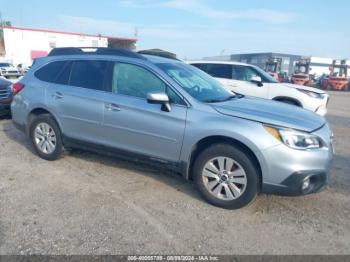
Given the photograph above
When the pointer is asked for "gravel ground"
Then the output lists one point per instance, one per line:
(85, 203)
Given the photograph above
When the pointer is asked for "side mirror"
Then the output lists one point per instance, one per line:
(159, 98)
(257, 80)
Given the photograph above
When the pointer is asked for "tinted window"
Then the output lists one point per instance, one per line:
(174, 98)
(88, 74)
(245, 73)
(135, 81)
(219, 70)
(64, 75)
(266, 78)
(201, 66)
(50, 72)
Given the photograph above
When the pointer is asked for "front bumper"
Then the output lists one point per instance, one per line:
(293, 184)
(287, 169)
(11, 74)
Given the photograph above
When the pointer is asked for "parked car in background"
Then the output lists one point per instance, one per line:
(23, 68)
(164, 111)
(7, 70)
(252, 81)
(5, 96)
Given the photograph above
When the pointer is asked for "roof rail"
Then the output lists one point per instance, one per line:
(60, 51)
(158, 52)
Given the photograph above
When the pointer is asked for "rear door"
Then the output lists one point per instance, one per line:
(76, 96)
(132, 124)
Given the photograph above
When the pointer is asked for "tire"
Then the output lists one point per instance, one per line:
(221, 194)
(45, 136)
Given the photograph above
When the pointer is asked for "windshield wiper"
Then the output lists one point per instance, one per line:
(220, 100)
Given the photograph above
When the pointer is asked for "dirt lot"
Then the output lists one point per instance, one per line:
(91, 204)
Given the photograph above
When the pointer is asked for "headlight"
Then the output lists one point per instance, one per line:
(295, 139)
(310, 93)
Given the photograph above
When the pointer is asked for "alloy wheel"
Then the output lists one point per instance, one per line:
(45, 138)
(224, 178)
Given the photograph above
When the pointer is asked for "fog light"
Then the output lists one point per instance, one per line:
(306, 184)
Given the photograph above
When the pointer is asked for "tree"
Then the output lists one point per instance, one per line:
(5, 23)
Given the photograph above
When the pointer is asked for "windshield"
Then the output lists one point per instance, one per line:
(4, 65)
(265, 77)
(196, 83)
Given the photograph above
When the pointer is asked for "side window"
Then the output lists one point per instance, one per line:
(202, 67)
(219, 70)
(50, 72)
(63, 77)
(243, 73)
(88, 74)
(135, 81)
(174, 98)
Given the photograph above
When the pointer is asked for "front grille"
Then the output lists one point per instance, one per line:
(5, 92)
(12, 72)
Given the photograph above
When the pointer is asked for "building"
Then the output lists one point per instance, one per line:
(21, 45)
(318, 65)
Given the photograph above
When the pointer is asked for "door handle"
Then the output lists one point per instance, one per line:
(57, 95)
(112, 107)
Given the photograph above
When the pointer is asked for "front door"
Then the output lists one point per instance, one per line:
(132, 124)
(241, 82)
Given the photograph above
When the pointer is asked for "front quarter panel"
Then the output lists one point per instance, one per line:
(202, 124)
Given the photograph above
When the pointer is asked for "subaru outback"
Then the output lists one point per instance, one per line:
(163, 111)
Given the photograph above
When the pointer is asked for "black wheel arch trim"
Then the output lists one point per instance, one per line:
(39, 111)
(210, 140)
(281, 98)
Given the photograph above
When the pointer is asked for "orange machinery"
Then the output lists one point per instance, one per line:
(301, 74)
(338, 78)
(273, 67)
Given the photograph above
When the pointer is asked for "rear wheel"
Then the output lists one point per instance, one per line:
(46, 137)
(226, 176)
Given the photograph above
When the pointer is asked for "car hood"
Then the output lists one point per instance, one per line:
(271, 112)
(308, 88)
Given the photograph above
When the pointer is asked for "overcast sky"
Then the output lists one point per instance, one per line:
(198, 28)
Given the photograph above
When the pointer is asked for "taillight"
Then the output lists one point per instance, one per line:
(17, 87)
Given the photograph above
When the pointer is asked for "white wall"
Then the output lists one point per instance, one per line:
(19, 43)
(319, 70)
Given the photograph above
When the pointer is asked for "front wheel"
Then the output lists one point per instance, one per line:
(226, 176)
(46, 137)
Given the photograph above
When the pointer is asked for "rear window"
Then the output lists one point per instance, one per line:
(216, 70)
(50, 72)
(88, 74)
